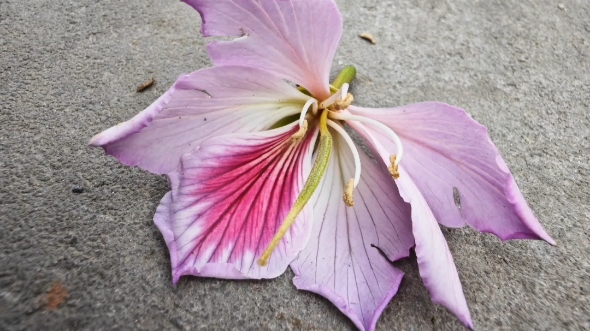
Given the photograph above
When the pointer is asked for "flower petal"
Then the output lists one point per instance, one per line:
(435, 262)
(228, 199)
(207, 103)
(458, 169)
(295, 40)
(341, 261)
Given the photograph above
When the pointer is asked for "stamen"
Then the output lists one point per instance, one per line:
(393, 169)
(394, 159)
(348, 193)
(340, 105)
(317, 172)
(355, 154)
(309, 103)
(344, 89)
(301, 133)
(340, 95)
(302, 121)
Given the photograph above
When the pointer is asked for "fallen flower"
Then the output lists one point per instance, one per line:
(264, 175)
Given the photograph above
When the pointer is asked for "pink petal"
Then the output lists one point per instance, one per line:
(295, 40)
(435, 262)
(341, 261)
(207, 103)
(228, 199)
(458, 170)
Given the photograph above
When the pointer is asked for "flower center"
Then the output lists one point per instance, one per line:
(331, 114)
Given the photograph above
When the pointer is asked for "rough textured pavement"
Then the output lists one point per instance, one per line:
(69, 69)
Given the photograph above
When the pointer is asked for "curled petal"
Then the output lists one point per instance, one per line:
(342, 261)
(457, 168)
(293, 39)
(229, 198)
(207, 103)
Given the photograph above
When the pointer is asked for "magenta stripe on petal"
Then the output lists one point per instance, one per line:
(230, 198)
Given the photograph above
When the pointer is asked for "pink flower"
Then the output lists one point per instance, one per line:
(264, 175)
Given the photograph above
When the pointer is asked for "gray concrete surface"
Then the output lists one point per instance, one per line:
(69, 69)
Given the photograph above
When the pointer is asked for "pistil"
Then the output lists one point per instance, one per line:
(340, 100)
(315, 176)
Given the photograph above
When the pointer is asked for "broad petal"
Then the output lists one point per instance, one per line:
(459, 171)
(207, 103)
(229, 198)
(341, 261)
(295, 40)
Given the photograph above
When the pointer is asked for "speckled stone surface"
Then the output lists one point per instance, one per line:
(69, 69)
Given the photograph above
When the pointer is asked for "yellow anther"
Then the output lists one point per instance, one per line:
(393, 170)
(301, 133)
(348, 200)
(343, 104)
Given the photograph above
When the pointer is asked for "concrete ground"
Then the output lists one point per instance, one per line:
(95, 261)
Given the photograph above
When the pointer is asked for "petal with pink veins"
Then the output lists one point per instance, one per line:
(341, 261)
(293, 39)
(207, 103)
(229, 198)
(457, 168)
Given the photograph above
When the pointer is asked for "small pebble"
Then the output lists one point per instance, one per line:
(561, 6)
(78, 189)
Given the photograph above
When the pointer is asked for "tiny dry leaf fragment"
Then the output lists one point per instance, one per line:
(56, 295)
(146, 85)
(369, 37)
